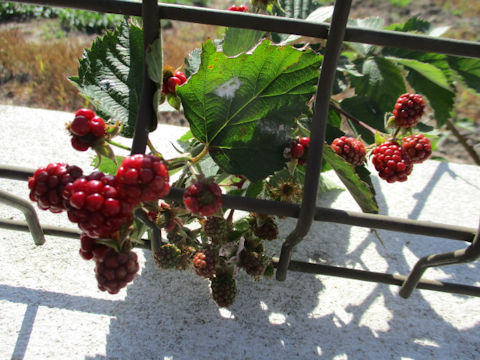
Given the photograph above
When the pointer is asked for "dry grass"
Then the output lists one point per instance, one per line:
(34, 71)
(35, 74)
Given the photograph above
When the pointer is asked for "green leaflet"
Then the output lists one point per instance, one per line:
(244, 108)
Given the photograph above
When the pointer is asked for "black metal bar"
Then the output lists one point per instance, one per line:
(317, 134)
(145, 116)
(276, 24)
(50, 230)
(353, 218)
(469, 254)
(370, 276)
(28, 211)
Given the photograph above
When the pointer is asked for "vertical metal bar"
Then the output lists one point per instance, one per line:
(454, 257)
(151, 29)
(29, 212)
(317, 135)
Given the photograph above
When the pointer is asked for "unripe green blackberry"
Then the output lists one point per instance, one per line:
(253, 263)
(264, 227)
(216, 228)
(167, 256)
(224, 289)
(186, 258)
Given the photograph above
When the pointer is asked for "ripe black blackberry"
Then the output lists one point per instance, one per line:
(167, 256)
(115, 270)
(48, 183)
(224, 289)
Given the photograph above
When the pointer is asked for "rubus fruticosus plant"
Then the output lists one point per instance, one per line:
(248, 102)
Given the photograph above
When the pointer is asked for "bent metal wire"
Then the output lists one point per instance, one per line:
(336, 33)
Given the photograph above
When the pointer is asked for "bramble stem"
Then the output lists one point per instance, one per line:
(199, 156)
(471, 151)
(121, 146)
(153, 150)
(352, 118)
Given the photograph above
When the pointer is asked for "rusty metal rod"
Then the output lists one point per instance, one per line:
(145, 115)
(28, 211)
(469, 254)
(317, 134)
(275, 24)
(370, 276)
(297, 266)
(278, 208)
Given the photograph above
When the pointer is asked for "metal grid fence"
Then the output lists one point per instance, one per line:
(336, 33)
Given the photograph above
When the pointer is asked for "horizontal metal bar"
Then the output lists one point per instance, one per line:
(276, 24)
(51, 230)
(321, 214)
(370, 276)
(298, 266)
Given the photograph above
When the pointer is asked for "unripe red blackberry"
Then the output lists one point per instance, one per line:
(418, 147)
(95, 204)
(264, 227)
(392, 162)
(216, 228)
(204, 262)
(239, 8)
(172, 80)
(48, 183)
(204, 198)
(350, 148)
(86, 129)
(115, 270)
(167, 256)
(297, 149)
(253, 263)
(224, 289)
(142, 178)
(408, 110)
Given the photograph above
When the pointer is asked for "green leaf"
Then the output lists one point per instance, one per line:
(419, 25)
(363, 192)
(154, 61)
(468, 69)
(298, 9)
(430, 72)
(238, 40)
(107, 165)
(382, 82)
(440, 99)
(372, 23)
(254, 189)
(366, 110)
(244, 108)
(111, 75)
